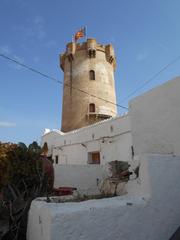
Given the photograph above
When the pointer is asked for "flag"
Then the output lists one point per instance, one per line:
(81, 33)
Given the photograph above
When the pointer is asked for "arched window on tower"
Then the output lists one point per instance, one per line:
(92, 75)
(92, 107)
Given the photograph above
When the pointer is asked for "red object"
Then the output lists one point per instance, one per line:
(63, 191)
(81, 33)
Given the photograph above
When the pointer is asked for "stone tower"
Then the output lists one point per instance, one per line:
(88, 67)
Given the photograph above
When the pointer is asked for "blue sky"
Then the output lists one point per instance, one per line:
(145, 35)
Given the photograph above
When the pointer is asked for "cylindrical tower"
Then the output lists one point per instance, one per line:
(88, 68)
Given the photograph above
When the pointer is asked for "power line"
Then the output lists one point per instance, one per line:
(151, 78)
(56, 80)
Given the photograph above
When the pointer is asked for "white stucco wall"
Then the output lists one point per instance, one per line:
(112, 138)
(149, 211)
(83, 177)
(155, 120)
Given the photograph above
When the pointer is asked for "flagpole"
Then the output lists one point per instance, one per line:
(86, 32)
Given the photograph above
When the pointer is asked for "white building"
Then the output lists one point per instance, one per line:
(149, 135)
(151, 126)
(95, 144)
(150, 208)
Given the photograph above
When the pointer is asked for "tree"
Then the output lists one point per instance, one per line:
(24, 175)
(5, 148)
(20, 163)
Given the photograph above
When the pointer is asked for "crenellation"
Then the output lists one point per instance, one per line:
(91, 46)
(110, 55)
(62, 61)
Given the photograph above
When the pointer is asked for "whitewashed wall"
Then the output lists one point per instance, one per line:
(83, 177)
(155, 120)
(112, 138)
(150, 210)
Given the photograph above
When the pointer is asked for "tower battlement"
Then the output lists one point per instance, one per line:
(89, 89)
(90, 46)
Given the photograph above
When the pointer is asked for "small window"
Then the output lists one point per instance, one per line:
(94, 158)
(92, 75)
(92, 107)
(92, 53)
(56, 159)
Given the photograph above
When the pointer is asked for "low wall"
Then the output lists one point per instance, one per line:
(152, 212)
(84, 177)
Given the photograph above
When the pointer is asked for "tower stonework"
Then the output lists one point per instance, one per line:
(88, 68)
